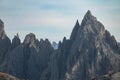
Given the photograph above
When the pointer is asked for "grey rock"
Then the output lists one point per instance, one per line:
(55, 45)
(30, 58)
(29, 39)
(4, 43)
(90, 51)
(75, 31)
(15, 42)
(2, 32)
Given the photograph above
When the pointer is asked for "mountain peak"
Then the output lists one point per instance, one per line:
(88, 18)
(75, 30)
(15, 41)
(17, 35)
(88, 14)
(77, 22)
(1, 26)
(29, 38)
(2, 32)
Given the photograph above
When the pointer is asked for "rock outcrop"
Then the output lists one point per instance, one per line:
(15, 42)
(4, 43)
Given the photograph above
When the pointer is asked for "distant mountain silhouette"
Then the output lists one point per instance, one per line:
(91, 51)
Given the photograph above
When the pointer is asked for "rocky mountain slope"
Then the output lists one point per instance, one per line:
(91, 51)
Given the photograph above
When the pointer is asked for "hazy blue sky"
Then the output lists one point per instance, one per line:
(55, 19)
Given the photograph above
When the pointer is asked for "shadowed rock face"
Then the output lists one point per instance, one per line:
(30, 58)
(2, 32)
(4, 43)
(75, 31)
(15, 42)
(91, 51)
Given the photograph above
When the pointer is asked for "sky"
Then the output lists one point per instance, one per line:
(54, 19)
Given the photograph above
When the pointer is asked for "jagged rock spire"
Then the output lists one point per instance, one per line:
(88, 18)
(75, 30)
(4, 42)
(30, 38)
(90, 24)
(1, 26)
(15, 41)
(77, 22)
(2, 32)
(88, 14)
